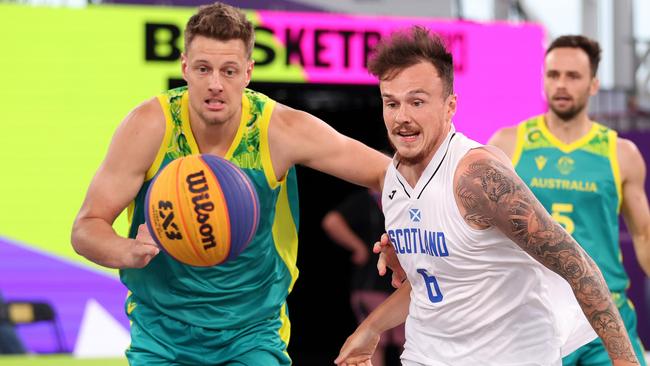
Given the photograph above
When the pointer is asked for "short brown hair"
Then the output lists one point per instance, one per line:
(407, 47)
(591, 48)
(222, 22)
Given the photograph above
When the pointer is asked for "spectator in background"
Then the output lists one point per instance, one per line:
(355, 224)
(584, 175)
(9, 341)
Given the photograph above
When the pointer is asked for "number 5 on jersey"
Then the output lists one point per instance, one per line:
(559, 211)
(434, 293)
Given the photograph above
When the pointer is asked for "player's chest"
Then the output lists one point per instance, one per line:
(579, 174)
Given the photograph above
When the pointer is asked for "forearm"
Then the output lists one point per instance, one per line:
(96, 240)
(596, 302)
(336, 227)
(491, 194)
(642, 249)
(392, 312)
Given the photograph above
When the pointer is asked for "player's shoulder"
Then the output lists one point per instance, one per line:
(471, 157)
(148, 113)
(626, 146)
(629, 156)
(507, 131)
(505, 139)
(509, 134)
(504, 135)
(487, 159)
(485, 153)
(287, 117)
(146, 121)
(288, 124)
(139, 136)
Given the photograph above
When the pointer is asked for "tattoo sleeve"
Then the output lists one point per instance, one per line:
(491, 194)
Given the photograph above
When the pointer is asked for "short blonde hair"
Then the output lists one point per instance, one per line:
(222, 22)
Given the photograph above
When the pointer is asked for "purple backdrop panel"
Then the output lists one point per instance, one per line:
(28, 274)
(639, 291)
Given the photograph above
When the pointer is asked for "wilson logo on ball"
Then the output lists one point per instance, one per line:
(202, 210)
(197, 184)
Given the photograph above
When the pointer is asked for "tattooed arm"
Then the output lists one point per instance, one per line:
(489, 193)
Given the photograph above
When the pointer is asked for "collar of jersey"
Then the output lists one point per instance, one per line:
(189, 134)
(433, 164)
(565, 148)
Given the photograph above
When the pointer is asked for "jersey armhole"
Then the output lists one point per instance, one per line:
(612, 137)
(519, 144)
(160, 155)
(265, 150)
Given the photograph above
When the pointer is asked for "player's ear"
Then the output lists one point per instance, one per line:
(249, 71)
(450, 105)
(594, 86)
(184, 65)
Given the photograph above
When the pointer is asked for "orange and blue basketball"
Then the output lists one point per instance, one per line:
(202, 210)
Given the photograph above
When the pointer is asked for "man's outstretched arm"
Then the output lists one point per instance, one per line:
(489, 193)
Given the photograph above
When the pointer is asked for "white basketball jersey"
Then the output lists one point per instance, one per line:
(477, 297)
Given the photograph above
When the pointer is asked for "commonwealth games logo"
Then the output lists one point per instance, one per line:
(565, 165)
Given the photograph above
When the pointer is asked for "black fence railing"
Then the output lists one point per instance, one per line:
(619, 109)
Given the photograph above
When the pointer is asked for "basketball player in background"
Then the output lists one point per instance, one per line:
(583, 174)
(235, 313)
(478, 249)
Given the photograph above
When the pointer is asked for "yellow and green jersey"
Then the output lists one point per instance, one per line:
(579, 184)
(254, 286)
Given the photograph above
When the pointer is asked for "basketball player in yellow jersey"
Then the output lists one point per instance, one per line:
(235, 313)
(584, 175)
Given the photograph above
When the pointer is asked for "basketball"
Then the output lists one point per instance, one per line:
(202, 210)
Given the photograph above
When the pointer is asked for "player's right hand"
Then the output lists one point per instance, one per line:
(142, 251)
(388, 258)
(358, 348)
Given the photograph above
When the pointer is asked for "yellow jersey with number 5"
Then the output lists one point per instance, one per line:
(579, 185)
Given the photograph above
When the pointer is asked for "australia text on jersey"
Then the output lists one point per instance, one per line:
(563, 184)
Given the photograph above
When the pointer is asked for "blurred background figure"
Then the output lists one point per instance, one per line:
(9, 341)
(355, 224)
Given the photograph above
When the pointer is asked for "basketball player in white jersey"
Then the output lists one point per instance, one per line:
(492, 279)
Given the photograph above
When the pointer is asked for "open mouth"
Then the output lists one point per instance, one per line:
(214, 104)
(407, 135)
(562, 98)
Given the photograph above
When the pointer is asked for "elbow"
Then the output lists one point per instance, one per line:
(328, 222)
(643, 257)
(76, 238)
(642, 251)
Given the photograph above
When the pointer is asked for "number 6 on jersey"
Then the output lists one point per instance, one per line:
(431, 281)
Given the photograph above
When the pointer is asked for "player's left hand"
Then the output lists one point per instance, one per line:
(358, 348)
(388, 259)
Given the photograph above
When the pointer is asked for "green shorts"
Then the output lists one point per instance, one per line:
(157, 339)
(594, 353)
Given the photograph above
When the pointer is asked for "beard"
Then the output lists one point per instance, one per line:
(570, 113)
(411, 160)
